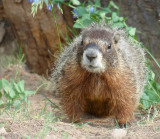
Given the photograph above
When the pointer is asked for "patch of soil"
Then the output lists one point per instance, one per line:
(40, 124)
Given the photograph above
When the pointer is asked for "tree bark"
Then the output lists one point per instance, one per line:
(145, 16)
(37, 35)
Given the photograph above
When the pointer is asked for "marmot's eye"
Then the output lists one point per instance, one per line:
(109, 46)
(82, 42)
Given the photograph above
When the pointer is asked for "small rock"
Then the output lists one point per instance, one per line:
(119, 133)
(2, 131)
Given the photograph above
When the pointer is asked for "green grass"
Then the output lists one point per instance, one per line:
(15, 104)
(65, 135)
(148, 115)
(47, 127)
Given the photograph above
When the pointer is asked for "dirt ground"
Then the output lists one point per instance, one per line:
(43, 119)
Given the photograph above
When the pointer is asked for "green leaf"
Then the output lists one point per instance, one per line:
(6, 94)
(78, 24)
(6, 84)
(81, 11)
(26, 99)
(17, 89)
(108, 18)
(132, 31)
(83, 22)
(145, 101)
(107, 10)
(21, 85)
(153, 96)
(112, 4)
(95, 17)
(97, 3)
(76, 2)
(118, 25)
(22, 96)
(12, 93)
(87, 22)
(151, 75)
(121, 19)
(115, 17)
(101, 13)
(85, 16)
(150, 97)
(7, 87)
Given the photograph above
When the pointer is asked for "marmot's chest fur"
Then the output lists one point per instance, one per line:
(99, 93)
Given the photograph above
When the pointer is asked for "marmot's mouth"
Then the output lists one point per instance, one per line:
(92, 67)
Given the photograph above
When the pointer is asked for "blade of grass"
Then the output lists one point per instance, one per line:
(52, 102)
(54, 17)
(153, 57)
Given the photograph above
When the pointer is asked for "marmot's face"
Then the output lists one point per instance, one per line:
(99, 52)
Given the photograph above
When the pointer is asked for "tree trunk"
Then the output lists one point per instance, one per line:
(2, 14)
(37, 35)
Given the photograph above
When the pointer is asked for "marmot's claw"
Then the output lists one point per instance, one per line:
(122, 125)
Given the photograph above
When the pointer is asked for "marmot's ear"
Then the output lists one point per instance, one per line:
(116, 38)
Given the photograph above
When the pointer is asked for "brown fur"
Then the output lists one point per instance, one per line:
(112, 90)
(110, 93)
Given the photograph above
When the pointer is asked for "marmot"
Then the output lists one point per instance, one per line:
(102, 72)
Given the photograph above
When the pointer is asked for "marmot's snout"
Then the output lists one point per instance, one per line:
(92, 58)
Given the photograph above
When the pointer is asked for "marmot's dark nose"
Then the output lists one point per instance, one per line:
(91, 56)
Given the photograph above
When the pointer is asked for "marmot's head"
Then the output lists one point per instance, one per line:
(99, 50)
